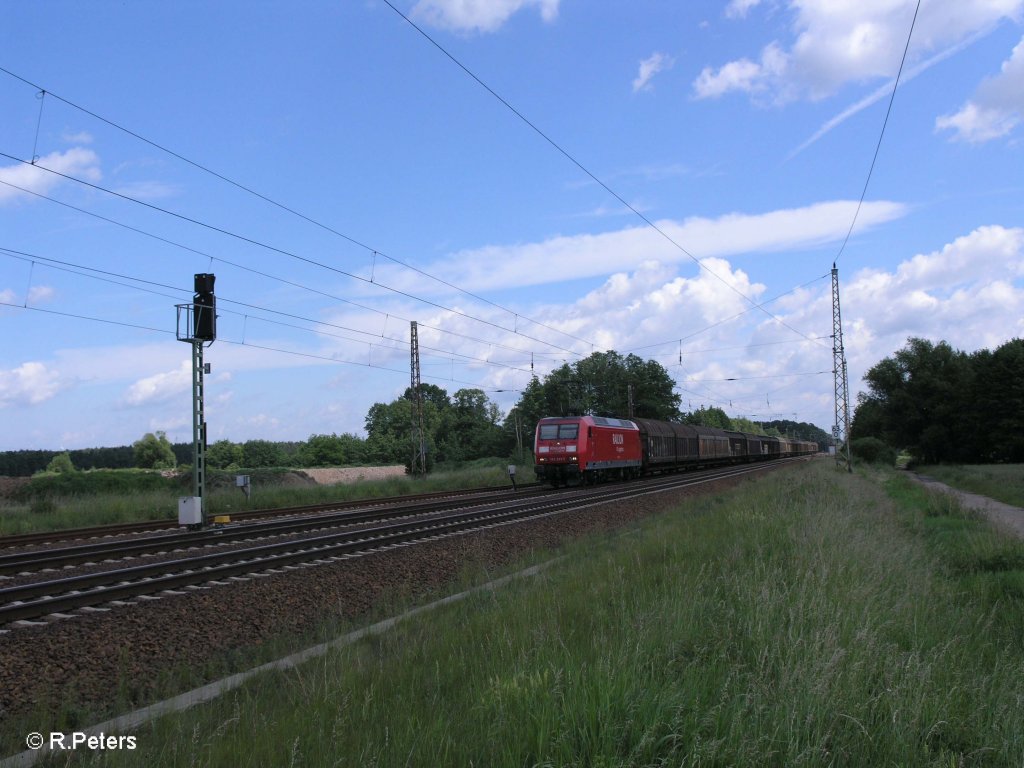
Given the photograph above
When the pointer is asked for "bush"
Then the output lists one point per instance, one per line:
(61, 463)
(873, 451)
(91, 483)
(153, 451)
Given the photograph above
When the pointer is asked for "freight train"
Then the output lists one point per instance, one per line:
(570, 450)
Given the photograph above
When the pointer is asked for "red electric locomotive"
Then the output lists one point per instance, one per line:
(572, 449)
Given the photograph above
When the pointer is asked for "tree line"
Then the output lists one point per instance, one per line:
(459, 427)
(945, 405)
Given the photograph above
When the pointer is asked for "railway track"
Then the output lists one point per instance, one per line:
(54, 599)
(62, 557)
(150, 526)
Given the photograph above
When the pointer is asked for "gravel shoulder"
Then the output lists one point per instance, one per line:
(1006, 517)
(87, 657)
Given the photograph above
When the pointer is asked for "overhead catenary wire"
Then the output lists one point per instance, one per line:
(384, 255)
(283, 252)
(375, 252)
(73, 269)
(292, 283)
(283, 281)
(288, 209)
(736, 316)
(881, 134)
(325, 358)
(572, 159)
(752, 378)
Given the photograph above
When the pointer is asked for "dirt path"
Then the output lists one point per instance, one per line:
(1010, 519)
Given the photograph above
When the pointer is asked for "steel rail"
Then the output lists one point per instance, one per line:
(40, 599)
(147, 526)
(22, 562)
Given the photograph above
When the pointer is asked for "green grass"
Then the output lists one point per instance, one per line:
(986, 564)
(808, 618)
(123, 496)
(1004, 482)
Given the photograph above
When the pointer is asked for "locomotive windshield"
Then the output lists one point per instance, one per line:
(559, 431)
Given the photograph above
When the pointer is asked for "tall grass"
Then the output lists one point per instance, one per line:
(807, 618)
(87, 505)
(1004, 482)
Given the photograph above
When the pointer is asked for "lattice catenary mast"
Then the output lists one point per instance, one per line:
(841, 425)
(418, 465)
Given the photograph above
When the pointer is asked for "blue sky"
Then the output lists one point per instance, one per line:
(739, 134)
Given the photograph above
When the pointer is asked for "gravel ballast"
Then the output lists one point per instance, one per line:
(130, 649)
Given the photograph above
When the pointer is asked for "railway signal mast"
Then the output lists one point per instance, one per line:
(197, 325)
(841, 425)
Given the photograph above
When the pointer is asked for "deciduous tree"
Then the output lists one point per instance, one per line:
(153, 451)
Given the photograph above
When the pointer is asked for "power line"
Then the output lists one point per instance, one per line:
(878, 146)
(736, 316)
(281, 251)
(55, 264)
(84, 317)
(752, 378)
(565, 153)
(281, 280)
(310, 355)
(279, 205)
(750, 346)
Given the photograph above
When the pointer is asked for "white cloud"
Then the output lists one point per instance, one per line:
(477, 15)
(835, 42)
(75, 162)
(37, 294)
(968, 292)
(40, 293)
(885, 90)
(161, 386)
(82, 137)
(742, 75)
(173, 425)
(939, 294)
(29, 384)
(262, 421)
(997, 106)
(649, 67)
(738, 9)
(566, 258)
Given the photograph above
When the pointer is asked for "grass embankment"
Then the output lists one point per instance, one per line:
(807, 618)
(1004, 482)
(104, 497)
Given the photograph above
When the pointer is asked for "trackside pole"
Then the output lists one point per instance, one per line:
(841, 425)
(200, 329)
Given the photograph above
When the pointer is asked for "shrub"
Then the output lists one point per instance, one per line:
(61, 463)
(153, 451)
(91, 483)
(873, 451)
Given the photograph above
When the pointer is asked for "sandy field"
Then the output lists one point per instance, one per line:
(334, 476)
